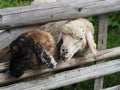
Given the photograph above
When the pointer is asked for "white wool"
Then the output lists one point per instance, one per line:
(76, 27)
(54, 28)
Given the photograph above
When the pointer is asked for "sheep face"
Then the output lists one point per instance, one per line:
(71, 45)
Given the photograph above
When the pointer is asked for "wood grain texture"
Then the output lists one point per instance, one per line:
(68, 77)
(102, 42)
(4, 77)
(36, 14)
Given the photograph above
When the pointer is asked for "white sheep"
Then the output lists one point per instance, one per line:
(72, 37)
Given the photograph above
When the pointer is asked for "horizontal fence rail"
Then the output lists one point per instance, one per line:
(69, 77)
(35, 14)
(113, 88)
(62, 65)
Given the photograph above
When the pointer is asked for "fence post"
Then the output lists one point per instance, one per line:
(101, 44)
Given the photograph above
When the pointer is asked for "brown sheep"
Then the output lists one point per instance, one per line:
(29, 49)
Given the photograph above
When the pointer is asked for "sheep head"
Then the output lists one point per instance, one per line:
(28, 50)
(70, 45)
(21, 55)
(74, 37)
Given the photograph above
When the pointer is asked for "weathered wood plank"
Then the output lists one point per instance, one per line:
(68, 77)
(63, 65)
(113, 88)
(29, 15)
(102, 41)
(102, 32)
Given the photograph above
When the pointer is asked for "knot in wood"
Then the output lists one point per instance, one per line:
(79, 9)
(1, 16)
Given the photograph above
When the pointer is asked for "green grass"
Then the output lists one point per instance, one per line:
(113, 41)
(13, 3)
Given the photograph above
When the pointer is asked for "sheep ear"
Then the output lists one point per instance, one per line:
(45, 57)
(59, 43)
(59, 37)
(91, 42)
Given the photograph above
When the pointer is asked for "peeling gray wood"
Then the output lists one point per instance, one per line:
(35, 14)
(102, 41)
(113, 88)
(68, 77)
(62, 65)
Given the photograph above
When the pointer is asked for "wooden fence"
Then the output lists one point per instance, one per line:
(20, 19)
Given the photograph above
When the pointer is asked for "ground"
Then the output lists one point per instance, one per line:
(113, 40)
